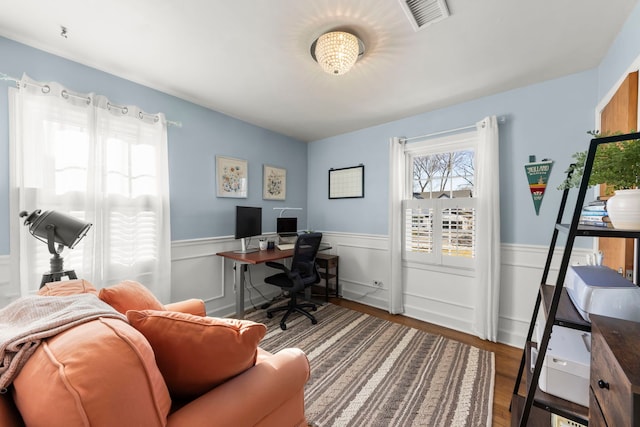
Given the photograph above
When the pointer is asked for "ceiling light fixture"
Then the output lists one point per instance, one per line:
(337, 51)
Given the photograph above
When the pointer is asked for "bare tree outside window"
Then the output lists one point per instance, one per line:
(437, 174)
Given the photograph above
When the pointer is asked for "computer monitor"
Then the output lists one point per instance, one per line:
(287, 226)
(248, 224)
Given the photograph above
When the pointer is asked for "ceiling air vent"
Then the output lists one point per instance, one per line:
(423, 13)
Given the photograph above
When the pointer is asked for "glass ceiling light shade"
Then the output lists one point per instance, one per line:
(337, 51)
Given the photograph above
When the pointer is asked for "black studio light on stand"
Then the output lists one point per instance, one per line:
(55, 228)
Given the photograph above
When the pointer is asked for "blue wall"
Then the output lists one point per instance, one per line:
(196, 212)
(549, 120)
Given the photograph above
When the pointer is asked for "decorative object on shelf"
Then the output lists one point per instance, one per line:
(346, 183)
(274, 183)
(231, 177)
(538, 177)
(55, 228)
(337, 51)
(616, 164)
(624, 209)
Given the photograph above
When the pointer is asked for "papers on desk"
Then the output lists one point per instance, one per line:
(286, 246)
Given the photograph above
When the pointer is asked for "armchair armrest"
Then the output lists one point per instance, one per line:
(191, 306)
(249, 398)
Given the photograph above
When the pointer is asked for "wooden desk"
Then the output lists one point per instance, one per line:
(242, 261)
(258, 257)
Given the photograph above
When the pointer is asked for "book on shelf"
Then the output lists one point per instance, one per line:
(595, 221)
(594, 213)
(595, 205)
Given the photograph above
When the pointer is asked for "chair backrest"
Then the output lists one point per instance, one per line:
(304, 257)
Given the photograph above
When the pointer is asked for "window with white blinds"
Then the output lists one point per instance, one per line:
(440, 212)
(440, 231)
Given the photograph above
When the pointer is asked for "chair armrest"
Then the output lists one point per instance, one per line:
(191, 306)
(252, 395)
(277, 265)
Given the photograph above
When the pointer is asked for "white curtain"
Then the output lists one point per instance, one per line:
(488, 229)
(397, 192)
(100, 162)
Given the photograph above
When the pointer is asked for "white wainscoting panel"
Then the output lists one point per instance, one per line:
(363, 260)
(197, 272)
(438, 297)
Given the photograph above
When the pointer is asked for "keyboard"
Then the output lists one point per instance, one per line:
(286, 246)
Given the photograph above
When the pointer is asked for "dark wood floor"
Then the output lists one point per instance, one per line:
(507, 358)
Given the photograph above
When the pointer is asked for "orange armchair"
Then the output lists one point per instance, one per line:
(105, 373)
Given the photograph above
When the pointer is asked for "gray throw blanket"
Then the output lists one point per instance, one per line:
(28, 320)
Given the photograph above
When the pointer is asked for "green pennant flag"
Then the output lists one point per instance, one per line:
(538, 176)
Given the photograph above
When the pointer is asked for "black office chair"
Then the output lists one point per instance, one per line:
(303, 273)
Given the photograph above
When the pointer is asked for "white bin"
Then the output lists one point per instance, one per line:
(565, 370)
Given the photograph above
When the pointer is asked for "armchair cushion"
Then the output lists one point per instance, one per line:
(67, 287)
(130, 295)
(101, 373)
(197, 353)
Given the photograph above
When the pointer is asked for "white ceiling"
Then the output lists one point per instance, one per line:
(250, 59)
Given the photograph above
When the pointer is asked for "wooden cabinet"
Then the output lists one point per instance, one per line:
(615, 373)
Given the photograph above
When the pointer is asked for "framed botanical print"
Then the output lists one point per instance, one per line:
(274, 183)
(231, 177)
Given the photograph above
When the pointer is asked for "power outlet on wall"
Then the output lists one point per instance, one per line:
(377, 283)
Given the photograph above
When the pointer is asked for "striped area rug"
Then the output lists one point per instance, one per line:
(366, 371)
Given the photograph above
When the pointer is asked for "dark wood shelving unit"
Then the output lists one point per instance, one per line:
(567, 315)
(534, 407)
(587, 231)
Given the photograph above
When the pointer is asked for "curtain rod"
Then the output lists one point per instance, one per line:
(66, 94)
(501, 119)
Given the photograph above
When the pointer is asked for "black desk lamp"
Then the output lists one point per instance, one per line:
(58, 228)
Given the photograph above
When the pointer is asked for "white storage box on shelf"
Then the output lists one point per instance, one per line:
(596, 289)
(565, 370)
